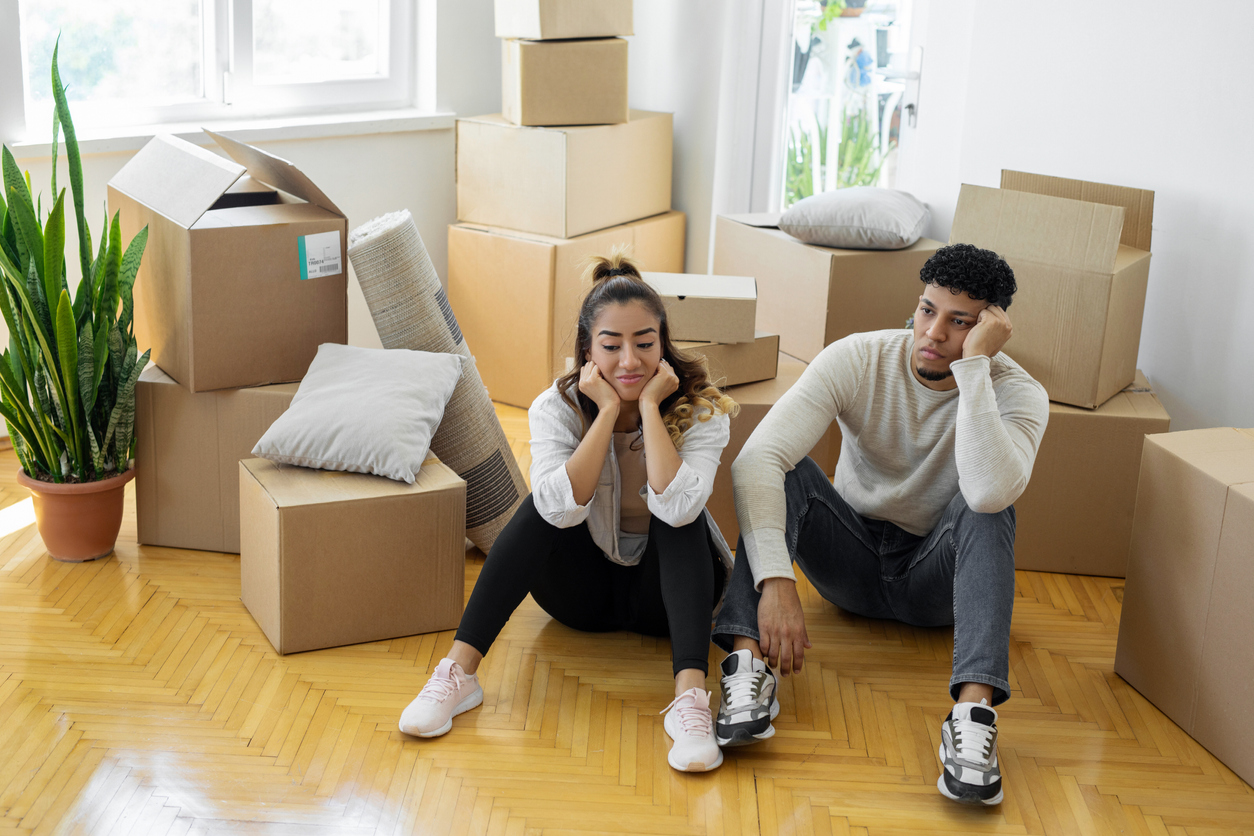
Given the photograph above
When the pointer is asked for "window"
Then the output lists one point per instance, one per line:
(844, 104)
(131, 62)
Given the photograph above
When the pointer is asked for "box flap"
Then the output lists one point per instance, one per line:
(1056, 231)
(765, 220)
(706, 287)
(176, 178)
(1138, 204)
(1225, 454)
(275, 171)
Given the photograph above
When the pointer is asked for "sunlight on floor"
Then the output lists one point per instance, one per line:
(16, 517)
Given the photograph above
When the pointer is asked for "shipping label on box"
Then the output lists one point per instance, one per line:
(1186, 640)
(733, 364)
(1075, 516)
(187, 451)
(1081, 280)
(565, 181)
(579, 82)
(517, 295)
(244, 275)
(812, 296)
(718, 309)
(329, 558)
(552, 19)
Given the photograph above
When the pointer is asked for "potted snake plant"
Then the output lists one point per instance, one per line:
(67, 379)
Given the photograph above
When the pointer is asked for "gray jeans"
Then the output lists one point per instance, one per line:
(961, 573)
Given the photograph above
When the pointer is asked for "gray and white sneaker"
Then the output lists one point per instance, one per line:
(968, 753)
(748, 704)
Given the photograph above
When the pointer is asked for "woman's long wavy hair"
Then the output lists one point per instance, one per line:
(616, 280)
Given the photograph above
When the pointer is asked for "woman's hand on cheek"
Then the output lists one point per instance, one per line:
(592, 384)
(660, 386)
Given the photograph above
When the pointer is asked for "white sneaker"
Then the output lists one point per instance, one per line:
(748, 703)
(968, 754)
(448, 692)
(691, 725)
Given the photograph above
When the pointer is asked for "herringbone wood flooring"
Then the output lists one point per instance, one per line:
(138, 696)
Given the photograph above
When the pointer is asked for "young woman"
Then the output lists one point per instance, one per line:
(614, 535)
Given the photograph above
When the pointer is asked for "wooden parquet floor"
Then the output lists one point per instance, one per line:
(137, 696)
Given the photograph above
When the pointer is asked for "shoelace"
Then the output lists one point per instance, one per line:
(438, 689)
(972, 741)
(741, 689)
(694, 720)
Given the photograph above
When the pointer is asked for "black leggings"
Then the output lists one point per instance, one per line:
(670, 592)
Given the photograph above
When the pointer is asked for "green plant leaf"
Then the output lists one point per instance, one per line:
(128, 366)
(30, 241)
(126, 278)
(100, 349)
(126, 421)
(54, 251)
(86, 371)
(67, 354)
(14, 361)
(56, 145)
(75, 162)
(38, 307)
(107, 295)
(117, 355)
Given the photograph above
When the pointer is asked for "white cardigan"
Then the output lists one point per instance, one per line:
(557, 429)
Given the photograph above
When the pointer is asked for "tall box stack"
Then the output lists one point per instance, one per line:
(564, 172)
(243, 277)
(1081, 256)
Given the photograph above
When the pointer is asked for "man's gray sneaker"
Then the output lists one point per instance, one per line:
(968, 754)
(748, 704)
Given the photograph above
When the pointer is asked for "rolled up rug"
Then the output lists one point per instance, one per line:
(411, 311)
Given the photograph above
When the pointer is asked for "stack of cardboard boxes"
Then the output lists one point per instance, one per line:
(1081, 254)
(244, 276)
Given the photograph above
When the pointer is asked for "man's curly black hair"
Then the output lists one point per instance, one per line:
(963, 268)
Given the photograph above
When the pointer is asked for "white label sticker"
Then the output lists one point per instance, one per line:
(320, 255)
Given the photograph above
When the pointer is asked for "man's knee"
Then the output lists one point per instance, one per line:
(966, 519)
(802, 481)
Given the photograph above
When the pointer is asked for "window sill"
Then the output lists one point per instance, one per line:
(134, 137)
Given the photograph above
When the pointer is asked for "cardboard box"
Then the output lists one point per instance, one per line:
(1080, 252)
(238, 287)
(733, 364)
(517, 295)
(718, 309)
(550, 19)
(581, 82)
(329, 558)
(1076, 514)
(187, 452)
(566, 181)
(1186, 639)
(812, 296)
(756, 399)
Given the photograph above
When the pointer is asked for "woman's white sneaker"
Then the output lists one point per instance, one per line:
(690, 725)
(448, 692)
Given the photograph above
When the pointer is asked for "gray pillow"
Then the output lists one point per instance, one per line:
(857, 218)
(365, 410)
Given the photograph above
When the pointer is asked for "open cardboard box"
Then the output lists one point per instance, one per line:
(563, 181)
(812, 296)
(575, 82)
(517, 295)
(552, 19)
(1076, 514)
(246, 269)
(1080, 252)
(734, 364)
(719, 309)
(1186, 639)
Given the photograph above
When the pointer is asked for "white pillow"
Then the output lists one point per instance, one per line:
(367, 410)
(858, 218)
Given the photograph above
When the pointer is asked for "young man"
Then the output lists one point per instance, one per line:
(940, 431)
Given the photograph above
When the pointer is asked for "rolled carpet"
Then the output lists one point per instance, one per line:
(411, 311)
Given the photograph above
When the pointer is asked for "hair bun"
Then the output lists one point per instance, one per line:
(602, 268)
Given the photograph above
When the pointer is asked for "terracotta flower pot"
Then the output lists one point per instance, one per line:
(78, 521)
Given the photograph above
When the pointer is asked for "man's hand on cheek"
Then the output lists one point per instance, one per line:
(992, 330)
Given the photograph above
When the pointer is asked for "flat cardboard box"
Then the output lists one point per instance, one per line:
(550, 19)
(1080, 252)
(563, 181)
(812, 296)
(238, 286)
(517, 295)
(1186, 640)
(581, 82)
(187, 451)
(734, 364)
(756, 399)
(329, 558)
(718, 309)
(1076, 514)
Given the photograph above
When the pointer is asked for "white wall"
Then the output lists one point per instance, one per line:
(1131, 92)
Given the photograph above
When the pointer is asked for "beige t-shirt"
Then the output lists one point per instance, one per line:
(634, 515)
